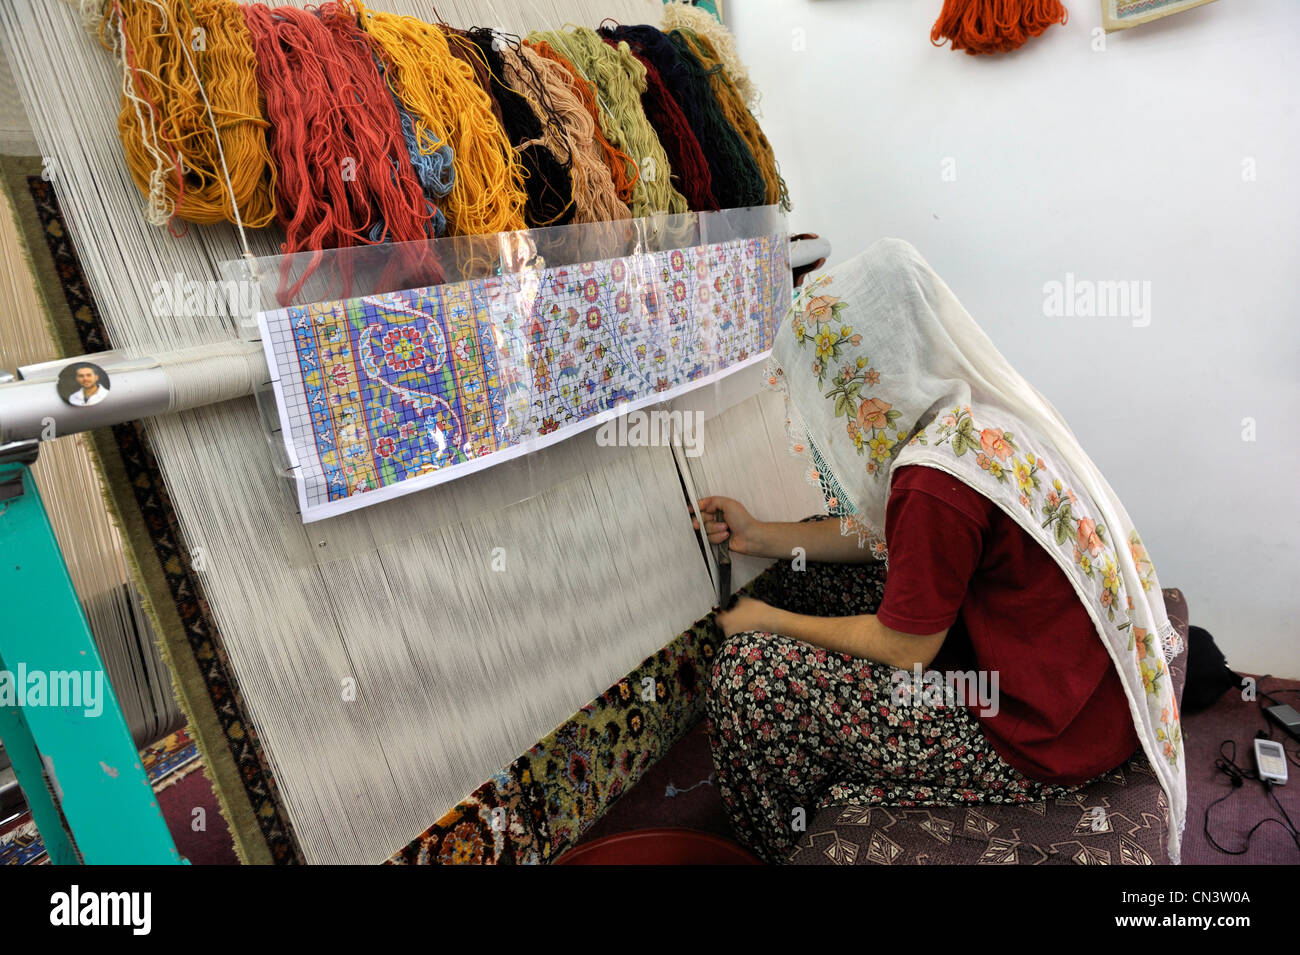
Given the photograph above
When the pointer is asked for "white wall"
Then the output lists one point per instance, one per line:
(1122, 164)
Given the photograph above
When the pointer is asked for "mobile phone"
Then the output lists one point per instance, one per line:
(1270, 761)
(1286, 717)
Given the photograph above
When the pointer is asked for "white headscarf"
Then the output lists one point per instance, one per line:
(881, 366)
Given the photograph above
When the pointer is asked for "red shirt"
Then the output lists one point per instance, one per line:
(957, 560)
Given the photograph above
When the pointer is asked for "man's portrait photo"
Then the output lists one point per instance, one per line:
(82, 384)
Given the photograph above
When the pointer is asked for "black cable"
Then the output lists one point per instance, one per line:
(1227, 764)
(1295, 835)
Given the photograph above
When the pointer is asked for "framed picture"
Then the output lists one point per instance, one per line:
(1122, 14)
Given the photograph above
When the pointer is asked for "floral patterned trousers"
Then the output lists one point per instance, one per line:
(795, 728)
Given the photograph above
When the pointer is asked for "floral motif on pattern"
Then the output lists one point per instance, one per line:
(403, 348)
(1146, 570)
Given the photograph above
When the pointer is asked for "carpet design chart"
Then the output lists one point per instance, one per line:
(386, 394)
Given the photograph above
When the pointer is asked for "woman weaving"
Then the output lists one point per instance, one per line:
(974, 535)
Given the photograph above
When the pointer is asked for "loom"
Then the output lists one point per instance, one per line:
(380, 664)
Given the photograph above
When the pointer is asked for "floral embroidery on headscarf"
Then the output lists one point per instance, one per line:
(871, 422)
(1170, 732)
(997, 453)
(1146, 571)
(819, 325)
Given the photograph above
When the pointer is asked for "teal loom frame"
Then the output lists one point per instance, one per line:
(81, 773)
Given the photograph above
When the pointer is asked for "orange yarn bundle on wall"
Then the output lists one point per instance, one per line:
(994, 26)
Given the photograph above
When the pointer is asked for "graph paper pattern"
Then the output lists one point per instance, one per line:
(395, 392)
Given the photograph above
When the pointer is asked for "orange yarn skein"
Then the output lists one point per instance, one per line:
(994, 26)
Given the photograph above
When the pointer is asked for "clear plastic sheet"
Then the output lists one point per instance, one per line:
(401, 367)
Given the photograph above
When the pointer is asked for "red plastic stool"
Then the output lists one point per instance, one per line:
(659, 847)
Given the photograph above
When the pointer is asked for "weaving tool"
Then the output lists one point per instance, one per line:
(457, 666)
(724, 567)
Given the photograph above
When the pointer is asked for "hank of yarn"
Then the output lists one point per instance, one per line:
(568, 131)
(621, 167)
(994, 26)
(196, 152)
(550, 192)
(435, 170)
(691, 173)
(619, 80)
(736, 178)
(345, 176)
(734, 109)
(680, 14)
(449, 107)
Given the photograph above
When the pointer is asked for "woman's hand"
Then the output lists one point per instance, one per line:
(738, 527)
(748, 614)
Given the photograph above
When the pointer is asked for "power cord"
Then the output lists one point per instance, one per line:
(1227, 764)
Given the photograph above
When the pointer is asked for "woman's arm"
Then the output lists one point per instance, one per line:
(862, 636)
(819, 540)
